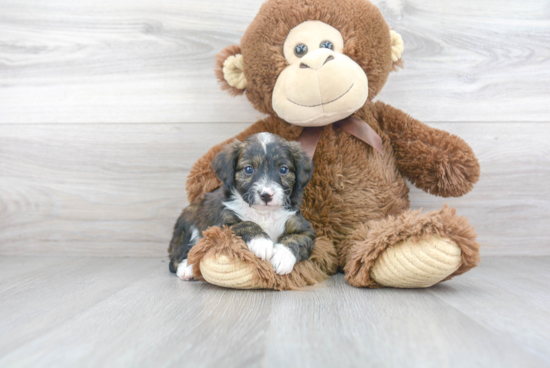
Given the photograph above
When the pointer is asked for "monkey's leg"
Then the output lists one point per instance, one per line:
(411, 250)
(223, 259)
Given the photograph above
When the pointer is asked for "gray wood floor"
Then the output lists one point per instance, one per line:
(89, 312)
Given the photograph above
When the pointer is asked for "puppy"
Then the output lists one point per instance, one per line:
(263, 181)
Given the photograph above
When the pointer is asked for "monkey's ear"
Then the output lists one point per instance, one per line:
(397, 47)
(229, 70)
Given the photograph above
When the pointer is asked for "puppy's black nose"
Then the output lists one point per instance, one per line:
(266, 197)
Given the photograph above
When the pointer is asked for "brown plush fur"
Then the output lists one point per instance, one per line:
(435, 161)
(366, 38)
(217, 241)
(366, 243)
(220, 59)
(357, 199)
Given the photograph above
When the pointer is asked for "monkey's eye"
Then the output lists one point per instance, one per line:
(300, 50)
(283, 170)
(327, 45)
(249, 170)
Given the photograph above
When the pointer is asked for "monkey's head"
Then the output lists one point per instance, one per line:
(311, 62)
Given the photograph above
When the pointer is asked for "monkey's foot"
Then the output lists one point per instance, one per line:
(222, 258)
(417, 264)
(412, 250)
(222, 271)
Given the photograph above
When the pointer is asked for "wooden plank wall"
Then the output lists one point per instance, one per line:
(105, 105)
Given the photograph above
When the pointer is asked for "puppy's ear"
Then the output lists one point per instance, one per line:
(303, 165)
(225, 162)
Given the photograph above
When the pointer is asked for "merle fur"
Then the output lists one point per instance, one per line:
(209, 210)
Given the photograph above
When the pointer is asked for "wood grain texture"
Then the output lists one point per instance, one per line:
(13, 267)
(120, 186)
(44, 297)
(117, 189)
(520, 280)
(485, 318)
(151, 61)
(158, 321)
(385, 327)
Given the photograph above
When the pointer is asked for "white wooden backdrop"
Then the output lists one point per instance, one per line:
(105, 105)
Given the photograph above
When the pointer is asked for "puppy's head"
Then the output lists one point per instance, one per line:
(265, 170)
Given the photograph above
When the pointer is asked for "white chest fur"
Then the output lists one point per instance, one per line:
(272, 221)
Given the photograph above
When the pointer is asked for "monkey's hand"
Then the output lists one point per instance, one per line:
(433, 160)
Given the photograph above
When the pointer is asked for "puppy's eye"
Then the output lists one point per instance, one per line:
(249, 170)
(283, 170)
(300, 50)
(327, 45)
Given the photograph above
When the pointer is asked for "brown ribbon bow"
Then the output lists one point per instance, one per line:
(358, 128)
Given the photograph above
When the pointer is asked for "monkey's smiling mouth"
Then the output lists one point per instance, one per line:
(326, 103)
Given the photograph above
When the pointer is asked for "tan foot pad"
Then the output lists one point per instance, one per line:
(418, 264)
(222, 271)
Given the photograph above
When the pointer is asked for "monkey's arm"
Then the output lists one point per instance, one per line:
(203, 179)
(298, 237)
(433, 160)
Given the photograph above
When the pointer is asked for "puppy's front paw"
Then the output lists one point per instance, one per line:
(283, 260)
(261, 247)
(185, 272)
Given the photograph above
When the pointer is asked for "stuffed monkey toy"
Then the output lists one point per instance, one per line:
(314, 67)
